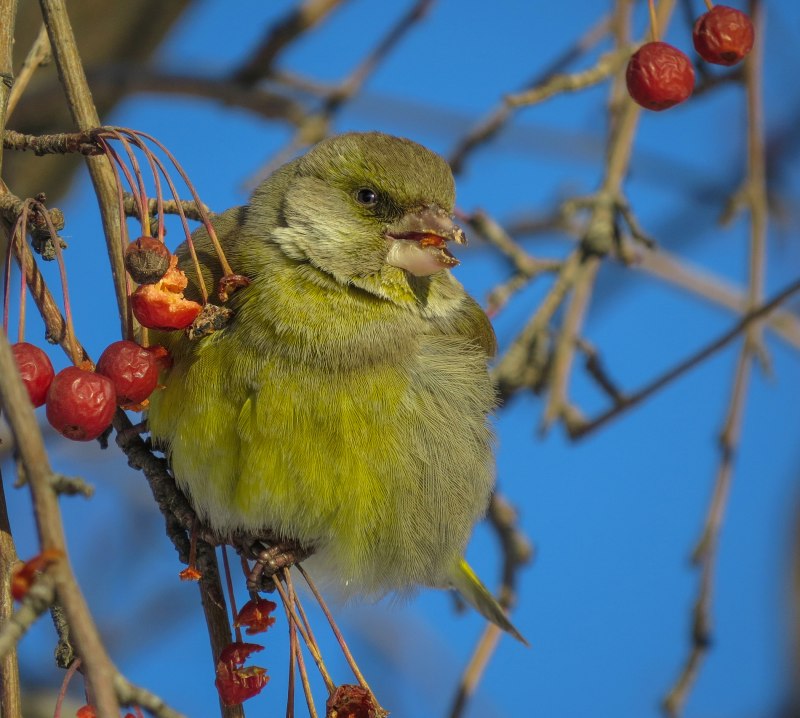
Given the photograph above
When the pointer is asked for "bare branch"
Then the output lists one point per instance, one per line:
(38, 55)
(280, 35)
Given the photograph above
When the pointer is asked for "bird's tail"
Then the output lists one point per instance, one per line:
(466, 582)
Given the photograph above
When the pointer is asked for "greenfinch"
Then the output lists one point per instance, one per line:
(344, 407)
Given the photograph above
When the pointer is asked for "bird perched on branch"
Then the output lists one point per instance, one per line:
(344, 408)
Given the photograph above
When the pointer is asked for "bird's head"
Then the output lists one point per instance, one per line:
(358, 202)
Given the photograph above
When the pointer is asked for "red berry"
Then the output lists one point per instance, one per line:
(133, 370)
(36, 370)
(162, 305)
(81, 404)
(723, 35)
(659, 76)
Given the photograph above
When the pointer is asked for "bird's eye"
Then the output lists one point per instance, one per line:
(366, 196)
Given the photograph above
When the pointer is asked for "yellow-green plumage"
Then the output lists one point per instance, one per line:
(345, 405)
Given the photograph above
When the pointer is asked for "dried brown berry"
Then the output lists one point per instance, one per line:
(147, 260)
(349, 701)
(723, 35)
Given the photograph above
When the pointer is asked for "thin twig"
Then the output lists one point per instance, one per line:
(63, 143)
(188, 206)
(493, 123)
(312, 647)
(687, 364)
(516, 552)
(132, 695)
(314, 126)
(38, 55)
(336, 632)
(607, 65)
(706, 550)
(297, 653)
(8, 11)
(282, 33)
(557, 406)
(475, 668)
(37, 601)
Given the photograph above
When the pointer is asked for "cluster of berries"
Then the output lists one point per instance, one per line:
(80, 403)
(660, 76)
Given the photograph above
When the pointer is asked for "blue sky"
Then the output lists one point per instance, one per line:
(613, 517)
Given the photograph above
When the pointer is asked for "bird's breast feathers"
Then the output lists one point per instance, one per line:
(338, 419)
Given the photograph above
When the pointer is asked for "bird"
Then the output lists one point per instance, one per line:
(345, 407)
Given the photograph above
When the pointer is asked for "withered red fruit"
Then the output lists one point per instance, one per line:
(255, 616)
(234, 683)
(132, 368)
(236, 653)
(147, 260)
(349, 701)
(659, 76)
(723, 35)
(81, 404)
(162, 305)
(35, 369)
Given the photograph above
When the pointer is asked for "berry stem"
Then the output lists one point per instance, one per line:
(653, 20)
(21, 230)
(212, 235)
(7, 280)
(336, 632)
(709, 4)
(144, 216)
(187, 232)
(72, 342)
(62, 693)
(231, 596)
(295, 653)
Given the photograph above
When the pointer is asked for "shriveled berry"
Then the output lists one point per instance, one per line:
(236, 683)
(350, 701)
(162, 305)
(36, 370)
(723, 35)
(132, 368)
(147, 260)
(659, 76)
(81, 404)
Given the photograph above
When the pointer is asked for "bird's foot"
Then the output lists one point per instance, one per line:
(270, 558)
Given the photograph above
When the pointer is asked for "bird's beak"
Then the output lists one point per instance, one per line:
(418, 241)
